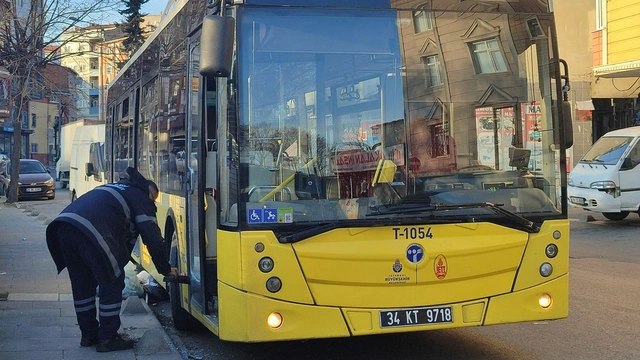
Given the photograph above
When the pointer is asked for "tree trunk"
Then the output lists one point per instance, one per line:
(16, 154)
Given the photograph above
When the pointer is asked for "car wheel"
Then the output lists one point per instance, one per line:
(616, 216)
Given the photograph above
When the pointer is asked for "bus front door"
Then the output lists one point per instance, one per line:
(194, 179)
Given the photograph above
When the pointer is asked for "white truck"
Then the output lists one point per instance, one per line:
(67, 132)
(86, 169)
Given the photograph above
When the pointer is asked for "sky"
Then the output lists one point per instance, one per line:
(154, 7)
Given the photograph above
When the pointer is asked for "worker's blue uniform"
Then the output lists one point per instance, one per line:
(94, 236)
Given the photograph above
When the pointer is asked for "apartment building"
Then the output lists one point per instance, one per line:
(96, 54)
(85, 53)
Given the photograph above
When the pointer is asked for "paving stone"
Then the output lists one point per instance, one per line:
(32, 297)
(31, 355)
(53, 321)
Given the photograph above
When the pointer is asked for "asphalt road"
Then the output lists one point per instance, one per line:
(603, 323)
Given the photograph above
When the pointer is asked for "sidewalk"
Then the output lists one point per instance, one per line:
(37, 319)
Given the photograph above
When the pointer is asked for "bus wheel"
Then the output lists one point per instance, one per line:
(616, 216)
(182, 320)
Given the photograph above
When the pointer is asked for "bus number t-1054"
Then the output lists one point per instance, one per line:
(412, 233)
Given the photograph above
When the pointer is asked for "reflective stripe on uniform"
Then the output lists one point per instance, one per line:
(121, 200)
(85, 304)
(143, 218)
(110, 309)
(96, 234)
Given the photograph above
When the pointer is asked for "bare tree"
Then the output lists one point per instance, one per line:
(26, 28)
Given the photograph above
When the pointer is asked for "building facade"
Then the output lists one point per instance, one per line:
(96, 54)
(42, 116)
(616, 64)
(82, 52)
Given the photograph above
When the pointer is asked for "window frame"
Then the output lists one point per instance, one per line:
(601, 14)
(424, 15)
(437, 65)
(475, 60)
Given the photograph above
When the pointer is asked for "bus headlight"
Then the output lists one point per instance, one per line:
(545, 301)
(274, 320)
(546, 269)
(551, 251)
(265, 264)
(274, 284)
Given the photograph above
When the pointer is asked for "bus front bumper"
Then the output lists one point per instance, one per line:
(243, 316)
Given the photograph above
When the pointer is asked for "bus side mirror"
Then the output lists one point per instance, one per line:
(568, 124)
(216, 46)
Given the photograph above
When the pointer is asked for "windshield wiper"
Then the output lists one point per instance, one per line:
(307, 233)
(496, 208)
(596, 161)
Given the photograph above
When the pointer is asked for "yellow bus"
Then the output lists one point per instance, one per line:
(345, 168)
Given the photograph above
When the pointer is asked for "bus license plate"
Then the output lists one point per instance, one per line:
(420, 316)
(33, 189)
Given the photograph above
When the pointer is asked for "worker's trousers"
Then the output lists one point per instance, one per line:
(86, 271)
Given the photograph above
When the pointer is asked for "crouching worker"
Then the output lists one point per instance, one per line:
(93, 238)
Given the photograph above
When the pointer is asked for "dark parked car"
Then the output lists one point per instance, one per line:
(34, 180)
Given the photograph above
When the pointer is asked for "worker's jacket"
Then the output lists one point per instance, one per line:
(112, 216)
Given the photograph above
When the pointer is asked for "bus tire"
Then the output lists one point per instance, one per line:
(182, 320)
(616, 216)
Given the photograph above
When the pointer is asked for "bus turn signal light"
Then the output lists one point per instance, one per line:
(545, 301)
(274, 320)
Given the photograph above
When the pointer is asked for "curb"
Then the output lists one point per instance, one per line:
(177, 346)
(155, 342)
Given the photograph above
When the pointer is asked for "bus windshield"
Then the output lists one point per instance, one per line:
(349, 115)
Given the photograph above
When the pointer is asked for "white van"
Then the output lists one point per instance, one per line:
(87, 160)
(607, 178)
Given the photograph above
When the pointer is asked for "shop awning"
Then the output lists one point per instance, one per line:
(585, 105)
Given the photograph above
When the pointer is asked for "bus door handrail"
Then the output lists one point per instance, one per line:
(269, 187)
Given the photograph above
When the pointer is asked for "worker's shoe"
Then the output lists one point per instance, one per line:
(88, 341)
(115, 344)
